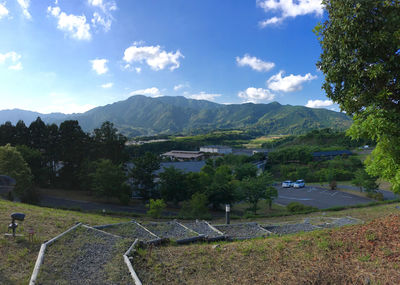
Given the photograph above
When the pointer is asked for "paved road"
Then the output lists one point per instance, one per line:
(318, 197)
(387, 195)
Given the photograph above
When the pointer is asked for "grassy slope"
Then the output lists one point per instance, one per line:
(349, 255)
(18, 257)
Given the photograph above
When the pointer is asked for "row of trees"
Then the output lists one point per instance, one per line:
(218, 183)
(62, 155)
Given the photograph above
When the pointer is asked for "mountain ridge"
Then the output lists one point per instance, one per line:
(141, 115)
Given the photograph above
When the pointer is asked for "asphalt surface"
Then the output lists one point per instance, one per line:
(318, 197)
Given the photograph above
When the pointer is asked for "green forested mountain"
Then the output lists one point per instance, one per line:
(141, 115)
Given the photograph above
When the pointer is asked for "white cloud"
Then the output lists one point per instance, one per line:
(289, 83)
(254, 63)
(152, 92)
(256, 95)
(138, 69)
(319, 103)
(203, 96)
(178, 87)
(103, 16)
(154, 57)
(75, 26)
(12, 58)
(99, 65)
(25, 6)
(59, 102)
(107, 85)
(17, 66)
(3, 10)
(181, 86)
(289, 8)
(102, 21)
(271, 21)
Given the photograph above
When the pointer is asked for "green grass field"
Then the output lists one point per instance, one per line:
(18, 256)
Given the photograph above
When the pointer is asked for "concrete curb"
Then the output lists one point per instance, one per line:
(129, 264)
(40, 257)
(103, 232)
(190, 239)
(138, 224)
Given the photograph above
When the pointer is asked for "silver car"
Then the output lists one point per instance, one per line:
(287, 184)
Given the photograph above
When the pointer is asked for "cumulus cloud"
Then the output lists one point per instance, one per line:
(3, 10)
(24, 4)
(256, 95)
(102, 21)
(138, 69)
(203, 96)
(319, 103)
(11, 58)
(107, 85)
(102, 17)
(181, 86)
(152, 92)
(153, 56)
(60, 102)
(289, 8)
(99, 65)
(73, 25)
(289, 83)
(254, 63)
(17, 66)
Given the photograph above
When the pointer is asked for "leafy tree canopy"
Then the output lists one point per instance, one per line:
(361, 62)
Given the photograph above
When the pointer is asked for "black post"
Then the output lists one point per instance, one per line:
(228, 211)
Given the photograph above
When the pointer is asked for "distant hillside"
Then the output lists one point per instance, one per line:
(141, 115)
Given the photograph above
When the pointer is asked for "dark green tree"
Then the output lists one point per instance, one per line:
(38, 134)
(108, 180)
(255, 189)
(245, 170)
(223, 188)
(142, 174)
(74, 147)
(13, 165)
(173, 185)
(109, 143)
(361, 63)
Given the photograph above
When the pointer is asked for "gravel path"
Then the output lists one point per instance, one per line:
(203, 228)
(242, 231)
(340, 222)
(129, 230)
(171, 230)
(291, 228)
(85, 256)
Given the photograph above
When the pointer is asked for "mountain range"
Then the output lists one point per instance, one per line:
(141, 115)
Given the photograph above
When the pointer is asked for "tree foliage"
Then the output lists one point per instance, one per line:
(257, 188)
(108, 180)
(12, 164)
(361, 63)
(142, 174)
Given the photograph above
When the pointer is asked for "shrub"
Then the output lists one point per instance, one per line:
(333, 185)
(196, 207)
(295, 207)
(375, 195)
(156, 207)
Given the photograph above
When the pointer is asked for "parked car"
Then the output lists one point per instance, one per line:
(287, 184)
(299, 184)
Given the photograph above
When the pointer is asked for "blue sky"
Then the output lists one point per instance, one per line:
(70, 55)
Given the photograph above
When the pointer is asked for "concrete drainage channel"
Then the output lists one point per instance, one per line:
(156, 233)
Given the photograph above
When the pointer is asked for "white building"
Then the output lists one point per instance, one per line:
(216, 149)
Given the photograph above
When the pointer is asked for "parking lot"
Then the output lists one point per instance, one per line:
(318, 197)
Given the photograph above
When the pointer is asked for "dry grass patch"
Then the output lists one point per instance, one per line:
(351, 255)
(18, 256)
